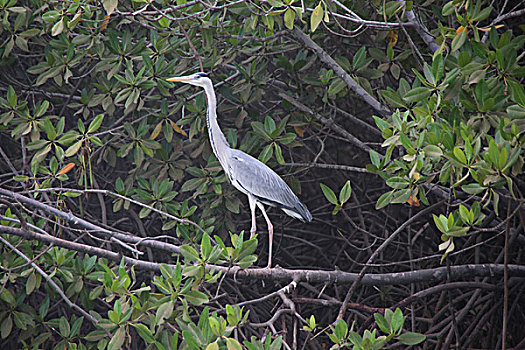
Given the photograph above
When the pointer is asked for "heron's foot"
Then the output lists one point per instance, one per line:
(252, 233)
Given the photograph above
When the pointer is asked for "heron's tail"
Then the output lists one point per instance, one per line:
(299, 211)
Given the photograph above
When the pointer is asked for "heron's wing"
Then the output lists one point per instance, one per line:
(257, 179)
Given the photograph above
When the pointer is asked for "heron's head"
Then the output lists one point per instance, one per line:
(197, 79)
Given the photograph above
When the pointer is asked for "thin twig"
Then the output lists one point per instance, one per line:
(50, 281)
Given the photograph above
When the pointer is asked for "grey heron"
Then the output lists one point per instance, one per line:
(261, 184)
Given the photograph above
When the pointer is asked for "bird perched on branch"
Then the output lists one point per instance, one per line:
(250, 176)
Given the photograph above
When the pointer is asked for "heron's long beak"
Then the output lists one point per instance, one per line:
(180, 79)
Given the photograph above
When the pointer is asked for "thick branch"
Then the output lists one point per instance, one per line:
(286, 275)
(422, 31)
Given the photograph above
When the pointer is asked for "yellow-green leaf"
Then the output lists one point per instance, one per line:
(317, 17)
(57, 28)
(110, 6)
(289, 17)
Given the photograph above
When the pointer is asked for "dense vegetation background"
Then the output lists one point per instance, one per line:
(400, 125)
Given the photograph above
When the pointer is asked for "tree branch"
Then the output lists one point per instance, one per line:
(50, 281)
(86, 224)
(433, 275)
(352, 84)
(351, 138)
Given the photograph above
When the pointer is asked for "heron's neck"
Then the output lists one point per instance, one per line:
(218, 141)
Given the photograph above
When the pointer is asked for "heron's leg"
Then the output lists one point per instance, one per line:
(270, 234)
(252, 202)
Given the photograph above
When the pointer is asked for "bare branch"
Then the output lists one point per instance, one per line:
(286, 275)
(352, 84)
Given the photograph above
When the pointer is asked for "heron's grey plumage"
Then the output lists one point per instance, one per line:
(257, 179)
(250, 176)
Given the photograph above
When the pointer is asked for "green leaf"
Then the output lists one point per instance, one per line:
(345, 193)
(517, 92)
(483, 14)
(382, 323)
(493, 153)
(269, 125)
(205, 246)
(144, 332)
(374, 158)
(110, 6)
(49, 129)
(438, 66)
(259, 129)
(279, 154)
(516, 112)
(289, 17)
(73, 149)
(464, 214)
(118, 339)
(397, 320)
(196, 297)
(329, 194)
(448, 8)
(429, 75)
(276, 3)
(397, 182)
(336, 86)
(317, 17)
(6, 326)
(458, 153)
(189, 253)
(441, 224)
(63, 326)
(266, 153)
(410, 338)
(213, 346)
(287, 138)
(341, 329)
(11, 97)
(95, 124)
(432, 151)
(385, 199)
(57, 28)
(359, 58)
(473, 188)
(459, 40)
(20, 178)
(417, 94)
(393, 99)
(31, 283)
(164, 311)
(232, 344)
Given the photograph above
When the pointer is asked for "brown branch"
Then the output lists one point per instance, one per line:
(352, 84)
(88, 225)
(329, 166)
(50, 281)
(378, 251)
(329, 123)
(286, 275)
(422, 31)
